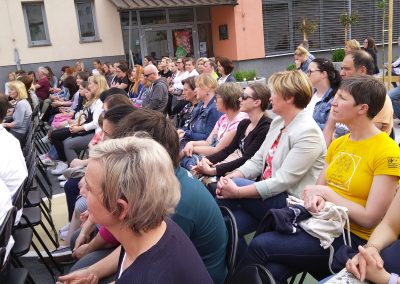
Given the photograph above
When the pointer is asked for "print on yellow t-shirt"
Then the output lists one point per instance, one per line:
(345, 165)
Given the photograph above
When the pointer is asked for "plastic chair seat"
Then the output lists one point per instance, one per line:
(23, 239)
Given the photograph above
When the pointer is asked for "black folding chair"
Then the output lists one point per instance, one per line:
(232, 245)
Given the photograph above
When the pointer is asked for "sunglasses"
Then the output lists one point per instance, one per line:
(245, 96)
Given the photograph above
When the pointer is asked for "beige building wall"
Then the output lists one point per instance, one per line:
(63, 30)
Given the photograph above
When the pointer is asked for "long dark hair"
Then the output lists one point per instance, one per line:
(371, 44)
(333, 74)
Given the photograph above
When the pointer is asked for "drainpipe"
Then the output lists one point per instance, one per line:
(17, 59)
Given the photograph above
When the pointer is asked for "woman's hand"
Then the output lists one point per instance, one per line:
(83, 276)
(227, 189)
(235, 174)
(188, 150)
(298, 63)
(205, 167)
(181, 133)
(84, 216)
(313, 197)
(366, 261)
(77, 163)
(81, 240)
(76, 129)
(81, 251)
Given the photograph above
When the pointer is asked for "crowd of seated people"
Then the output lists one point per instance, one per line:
(170, 142)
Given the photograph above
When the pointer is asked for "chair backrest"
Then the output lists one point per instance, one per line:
(18, 197)
(252, 274)
(233, 236)
(5, 233)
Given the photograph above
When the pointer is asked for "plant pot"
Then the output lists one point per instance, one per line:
(244, 84)
(337, 65)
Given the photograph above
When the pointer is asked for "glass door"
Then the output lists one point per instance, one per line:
(156, 43)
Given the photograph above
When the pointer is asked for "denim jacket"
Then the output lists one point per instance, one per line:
(322, 108)
(202, 121)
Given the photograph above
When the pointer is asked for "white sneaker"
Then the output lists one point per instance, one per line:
(61, 167)
(62, 184)
(64, 228)
(63, 235)
(61, 178)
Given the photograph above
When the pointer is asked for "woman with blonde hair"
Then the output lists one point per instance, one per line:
(205, 115)
(22, 110)
(79, 66)
(351, 45)
(302, 58)
(11, 77)
(131, 190)
(77, 137)
(291, 156)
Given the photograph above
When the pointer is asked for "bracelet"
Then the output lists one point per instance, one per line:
(371, 245)
(393, 278)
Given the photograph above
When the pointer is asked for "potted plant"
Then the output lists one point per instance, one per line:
(337, 57)
(291, 67)
(244, 77)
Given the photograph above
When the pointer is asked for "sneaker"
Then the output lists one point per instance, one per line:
(48, 162)
(63, 235)
(61, 167)
(64, 228)
(62, 184)
(61, 178)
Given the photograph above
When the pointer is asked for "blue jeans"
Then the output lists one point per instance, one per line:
(390, 256)
(394, 95)
(249, 212)
(286, 255)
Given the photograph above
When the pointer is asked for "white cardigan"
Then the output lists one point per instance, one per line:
(298, 159)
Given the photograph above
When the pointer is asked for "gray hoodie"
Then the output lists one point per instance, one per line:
(157, 98)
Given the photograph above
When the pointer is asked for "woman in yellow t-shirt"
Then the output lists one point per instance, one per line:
(361, 173)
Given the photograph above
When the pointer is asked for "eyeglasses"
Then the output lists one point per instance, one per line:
(245, 96)
(179, 62)
(310, 71)
(147, 75)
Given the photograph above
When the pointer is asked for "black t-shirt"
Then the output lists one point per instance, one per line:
(173, 259)
(165, 74)
(124, 80)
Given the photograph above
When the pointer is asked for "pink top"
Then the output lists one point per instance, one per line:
(107, 236)
(223, 125)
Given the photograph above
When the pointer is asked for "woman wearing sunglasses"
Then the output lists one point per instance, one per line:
(249, 136)
(291, 157)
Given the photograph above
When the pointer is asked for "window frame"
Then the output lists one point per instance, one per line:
(96, 36)
(32, 43)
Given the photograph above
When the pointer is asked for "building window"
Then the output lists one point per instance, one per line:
(282, 20)
(86, 20)
(36, 24)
